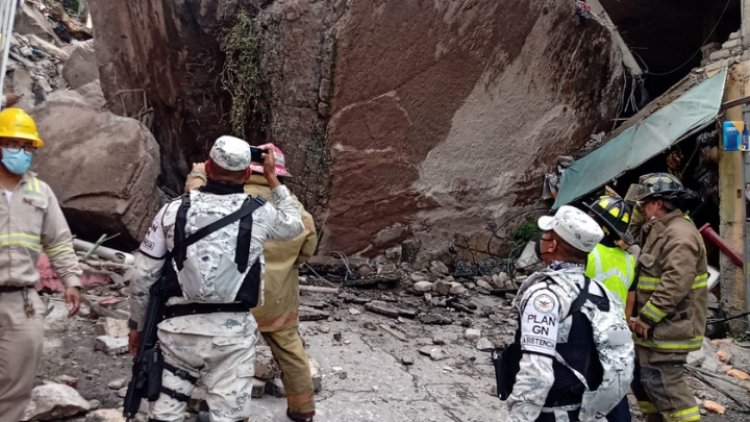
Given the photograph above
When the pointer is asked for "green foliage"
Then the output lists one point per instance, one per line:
(241, 74)
(526, 231)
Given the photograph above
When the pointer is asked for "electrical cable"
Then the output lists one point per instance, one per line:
(718, 21)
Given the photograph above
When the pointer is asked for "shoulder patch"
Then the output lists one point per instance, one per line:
(544, 303)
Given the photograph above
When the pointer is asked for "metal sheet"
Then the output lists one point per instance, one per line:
(634, 146)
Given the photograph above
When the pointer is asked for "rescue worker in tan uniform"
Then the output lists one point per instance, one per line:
(278, 316)
(31, 222)
(671, 300)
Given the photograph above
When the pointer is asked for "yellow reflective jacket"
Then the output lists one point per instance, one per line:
(672, 284)
(32, 223)
(613, 267)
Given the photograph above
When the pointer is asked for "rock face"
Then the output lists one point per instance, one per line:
(102, 167)
(431, 120)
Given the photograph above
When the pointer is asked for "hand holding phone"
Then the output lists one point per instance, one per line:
(256, 155)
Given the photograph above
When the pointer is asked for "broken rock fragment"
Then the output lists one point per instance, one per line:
(51, 402)
(382, 308)
(111, 345)
(435, 319)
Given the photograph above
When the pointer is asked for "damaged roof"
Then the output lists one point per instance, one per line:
(635, 145)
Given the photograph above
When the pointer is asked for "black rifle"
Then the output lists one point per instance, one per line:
(149, 362)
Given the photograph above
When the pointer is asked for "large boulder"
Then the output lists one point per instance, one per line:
(102, 167)
(430, 120)
(80, 68)
(53, 402)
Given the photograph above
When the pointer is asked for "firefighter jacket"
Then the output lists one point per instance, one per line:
(613, 267)
(280, 308)
(672, 284)
(31, 222)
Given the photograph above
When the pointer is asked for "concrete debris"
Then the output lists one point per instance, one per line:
(422, 286)
(485, 345)
(383, 308)
(265, 365)
(407, 360)
(472, 334)
(438, 267)
(50, 402)
(312, 314)
(105, 415)
(442, 287)
(435, 353)
(112, 327)
(723, 356)
(117, 384)
(739, 374)
(111, 345)
(435, 319)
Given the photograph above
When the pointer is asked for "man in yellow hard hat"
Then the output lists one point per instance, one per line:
(31, 222)
(278, 316)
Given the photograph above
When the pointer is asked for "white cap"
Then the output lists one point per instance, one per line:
(573, 226)
(231, 153)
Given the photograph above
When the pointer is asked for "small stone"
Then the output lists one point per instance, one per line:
(324, 329)
(337, 337)
(354, 311)
(407, 360)
(105, 415)
(438, 341)
(116, 384)
(428, 297)
(410, 313)
(111, 345)
(122, 392)
(259, 388)
(435, 319)
(370, 326)
(472, 334)
(470, 286)
(438, 267)
(442, 287)
(317, 378)
(307, 313)
(483, 284)
(458, 289)
(417, 277)
(95, 404)
(422, 286)
(275, 388)
(485, 345)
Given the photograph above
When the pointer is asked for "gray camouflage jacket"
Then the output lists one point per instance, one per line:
(280, 219)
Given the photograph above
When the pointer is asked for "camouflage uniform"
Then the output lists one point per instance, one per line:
(544, 322)
(218, 348)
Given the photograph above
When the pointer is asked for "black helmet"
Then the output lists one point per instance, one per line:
(613, 214)
(660, 186)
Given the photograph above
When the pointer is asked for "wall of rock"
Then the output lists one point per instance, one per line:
(429, 120)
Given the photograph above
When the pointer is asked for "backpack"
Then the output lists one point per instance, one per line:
(614, 346)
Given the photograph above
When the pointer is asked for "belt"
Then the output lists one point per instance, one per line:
(174, 311)
(11, 289)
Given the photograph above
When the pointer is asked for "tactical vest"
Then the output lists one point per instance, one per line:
(249, 290)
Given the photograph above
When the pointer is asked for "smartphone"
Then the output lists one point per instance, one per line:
(256, 154)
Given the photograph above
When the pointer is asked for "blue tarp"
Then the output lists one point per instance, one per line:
(637, 144)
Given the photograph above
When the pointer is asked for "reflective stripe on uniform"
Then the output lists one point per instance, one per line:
(653, 313)
(21, 239)
(647, 408)
(686, 415)
(55, 250)
(693, 343)
(33, 187)
(613, 267)
(649, 284)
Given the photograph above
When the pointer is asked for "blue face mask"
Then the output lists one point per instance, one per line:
(16, 160)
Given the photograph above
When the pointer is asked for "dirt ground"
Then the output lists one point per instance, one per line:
(364, 377)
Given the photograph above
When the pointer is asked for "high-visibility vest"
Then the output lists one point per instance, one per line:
(613, 267)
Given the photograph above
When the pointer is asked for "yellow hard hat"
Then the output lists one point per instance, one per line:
(17, 124)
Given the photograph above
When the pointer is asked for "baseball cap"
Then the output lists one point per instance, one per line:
(573, 226)
(231, 153)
